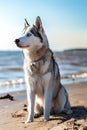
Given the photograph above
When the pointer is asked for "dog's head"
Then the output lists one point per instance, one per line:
(34, 36)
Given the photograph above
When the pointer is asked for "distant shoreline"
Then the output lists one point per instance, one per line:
(65, 50)
(76, 49)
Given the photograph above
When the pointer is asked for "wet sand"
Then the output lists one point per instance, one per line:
(13, 113)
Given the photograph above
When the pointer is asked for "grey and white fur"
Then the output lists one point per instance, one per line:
(45, 93)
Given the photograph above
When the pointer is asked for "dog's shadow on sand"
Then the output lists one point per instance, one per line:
(79, 112)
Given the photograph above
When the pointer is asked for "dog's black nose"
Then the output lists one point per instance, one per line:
(17, 41)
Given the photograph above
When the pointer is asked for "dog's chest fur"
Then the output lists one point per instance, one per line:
(39, 67)
(37, 74)
(34, 72)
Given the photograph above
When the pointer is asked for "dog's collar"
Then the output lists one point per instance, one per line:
(41, 58)
(38, 59)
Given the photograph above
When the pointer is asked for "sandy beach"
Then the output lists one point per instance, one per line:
(13, 113)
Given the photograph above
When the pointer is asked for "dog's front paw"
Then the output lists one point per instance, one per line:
(28, 121)
(46, 119)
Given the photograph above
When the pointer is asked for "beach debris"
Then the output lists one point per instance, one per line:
(7, 96)
(20, 113)
(25, 107)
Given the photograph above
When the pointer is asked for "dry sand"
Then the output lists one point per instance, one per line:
(13, 113)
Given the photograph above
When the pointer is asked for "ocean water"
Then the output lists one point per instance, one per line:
(72, 64)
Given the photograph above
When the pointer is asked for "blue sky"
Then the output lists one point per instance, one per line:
(65, 21)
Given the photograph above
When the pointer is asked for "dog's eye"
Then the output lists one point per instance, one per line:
(28, 34)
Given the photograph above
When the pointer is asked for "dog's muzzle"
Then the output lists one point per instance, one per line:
(17, 41)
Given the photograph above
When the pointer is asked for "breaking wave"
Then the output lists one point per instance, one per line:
(72, 64)
(75, 76)
(22, 81)
(12, 82)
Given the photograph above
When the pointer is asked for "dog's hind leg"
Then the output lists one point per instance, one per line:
(67, 107)
(61, 99)
(64, 104)
(38, 110)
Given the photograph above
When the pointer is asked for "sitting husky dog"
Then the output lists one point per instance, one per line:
(45, 93)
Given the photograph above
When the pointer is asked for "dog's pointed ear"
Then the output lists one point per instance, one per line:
(38, 22)
(26, 24)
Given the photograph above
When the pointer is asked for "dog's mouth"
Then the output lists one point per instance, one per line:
(22, 46)
(17, 41)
